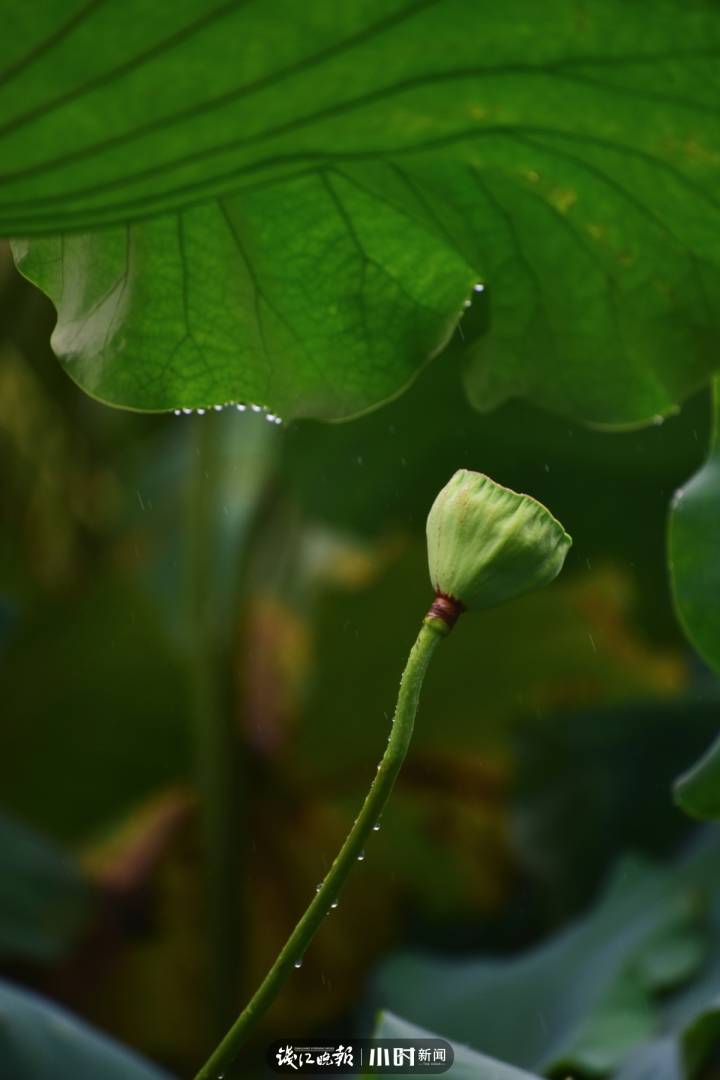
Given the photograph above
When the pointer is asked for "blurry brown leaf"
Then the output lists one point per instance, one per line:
(125, 859)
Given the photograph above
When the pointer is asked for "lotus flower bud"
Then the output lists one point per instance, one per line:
(487, 544)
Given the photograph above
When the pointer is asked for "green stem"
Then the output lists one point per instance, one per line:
(292, 952)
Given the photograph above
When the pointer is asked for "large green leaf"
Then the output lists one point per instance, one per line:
(202, 99)
(312, 298)
(313, 189)
(39, 1041)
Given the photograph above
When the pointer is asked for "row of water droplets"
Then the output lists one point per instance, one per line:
(272, 418)
(361, 858)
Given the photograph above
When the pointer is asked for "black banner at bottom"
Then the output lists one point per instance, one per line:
(369, 1057)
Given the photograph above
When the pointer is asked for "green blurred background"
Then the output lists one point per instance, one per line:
(288, 562)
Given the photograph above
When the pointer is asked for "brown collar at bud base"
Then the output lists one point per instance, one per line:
(447, 609)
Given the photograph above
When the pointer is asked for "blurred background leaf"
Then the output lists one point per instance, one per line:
(595, 999)
(693, 527)
(694, 522)
(45, 900)
(468, 1065)
(696, 791)
(578, 1003)
(39, 1041)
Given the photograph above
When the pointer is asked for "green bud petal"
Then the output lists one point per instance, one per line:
(487, 544)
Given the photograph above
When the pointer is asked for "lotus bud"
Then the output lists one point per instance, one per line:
(487, 544)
